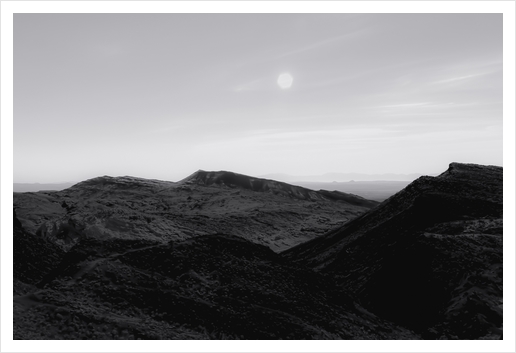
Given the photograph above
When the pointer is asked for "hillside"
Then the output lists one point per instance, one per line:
(130, 258)
(429, 257)
(266, 212)
(245, 182)
(209, 287)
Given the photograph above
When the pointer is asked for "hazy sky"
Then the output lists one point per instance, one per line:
(163, 95)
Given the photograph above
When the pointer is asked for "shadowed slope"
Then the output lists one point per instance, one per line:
(209, 287)
(33, 256)
(415, 257)
(429, 259)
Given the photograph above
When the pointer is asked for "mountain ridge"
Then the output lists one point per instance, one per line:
(343, 177)
(397, 256)
(269, 212)
(231, 179)
(222, 255)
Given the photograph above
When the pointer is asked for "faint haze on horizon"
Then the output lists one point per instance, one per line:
(160, 96)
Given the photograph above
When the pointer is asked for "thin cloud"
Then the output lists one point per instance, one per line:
(322, 43)
(461, 78)
(407, 105)
(258, 84)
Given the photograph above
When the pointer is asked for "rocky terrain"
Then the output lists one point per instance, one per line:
(207, 287)
(428, 258)
(129, 258)
(266, 212)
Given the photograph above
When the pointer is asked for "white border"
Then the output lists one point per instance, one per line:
(10, 7)
(257, 6)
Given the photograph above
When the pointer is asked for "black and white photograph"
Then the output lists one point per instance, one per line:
(258, 176)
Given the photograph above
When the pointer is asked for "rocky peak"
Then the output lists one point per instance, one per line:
(473, 172)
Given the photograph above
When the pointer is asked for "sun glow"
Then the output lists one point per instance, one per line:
(285, 80)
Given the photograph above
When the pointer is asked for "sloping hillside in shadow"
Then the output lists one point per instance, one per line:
(429, 257)
(208, 287)
(34, 256)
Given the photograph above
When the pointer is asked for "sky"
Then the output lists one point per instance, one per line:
(163, 95)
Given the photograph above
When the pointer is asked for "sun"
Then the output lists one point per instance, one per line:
(285, 80)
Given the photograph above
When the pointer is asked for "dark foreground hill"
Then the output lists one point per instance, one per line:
(208, 287)
(428, 258)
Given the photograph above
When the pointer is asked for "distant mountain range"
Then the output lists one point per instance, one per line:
(34, 187)
(328, 177)
(373, 190)
(342, 177)
(221, 255)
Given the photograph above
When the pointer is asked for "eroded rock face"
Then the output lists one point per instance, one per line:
(425, 255)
